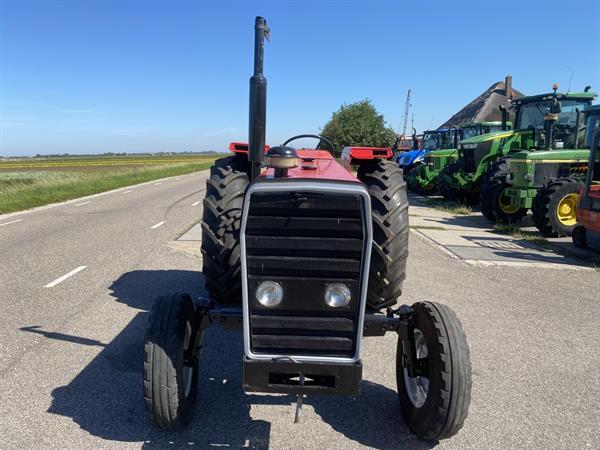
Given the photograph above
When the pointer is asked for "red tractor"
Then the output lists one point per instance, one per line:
(587, 232)
(306, 259)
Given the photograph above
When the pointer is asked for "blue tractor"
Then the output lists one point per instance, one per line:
(440, 139)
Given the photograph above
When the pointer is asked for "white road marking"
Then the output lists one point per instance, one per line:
(156, 184)
(84, 203)
(195, 203)
(159, 224)
(65, 276)
(8, 223)
(127, 192)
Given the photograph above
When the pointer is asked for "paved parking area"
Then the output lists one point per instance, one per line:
(472, 239)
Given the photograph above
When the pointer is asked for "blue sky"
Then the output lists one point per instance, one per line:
(91, 76)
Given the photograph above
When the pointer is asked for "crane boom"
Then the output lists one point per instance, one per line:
(406, 109)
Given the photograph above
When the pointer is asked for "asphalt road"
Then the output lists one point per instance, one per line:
(71, 353)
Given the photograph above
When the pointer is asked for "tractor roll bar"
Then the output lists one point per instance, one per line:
(258, 101)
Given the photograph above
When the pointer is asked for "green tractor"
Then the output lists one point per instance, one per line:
(423, 178)
(481, 158)
(547, 180)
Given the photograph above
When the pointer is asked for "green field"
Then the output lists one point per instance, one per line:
(29, 182)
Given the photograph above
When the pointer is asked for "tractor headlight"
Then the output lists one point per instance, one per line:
(269, 294)
(337, 295)
(419, 159)
(528, 177)
(468, 146)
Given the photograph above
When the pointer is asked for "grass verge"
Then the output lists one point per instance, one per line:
(25, 190)
(517, 233)
(427, 227)
(452, 208)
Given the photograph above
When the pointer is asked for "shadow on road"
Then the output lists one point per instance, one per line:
(105, 399)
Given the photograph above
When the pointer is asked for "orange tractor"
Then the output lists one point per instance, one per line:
(587, 232)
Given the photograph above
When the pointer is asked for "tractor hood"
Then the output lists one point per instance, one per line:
(488, 137)
(443, 152)
(549, 156)
(407, 158)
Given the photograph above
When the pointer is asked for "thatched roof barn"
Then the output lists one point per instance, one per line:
(485, 107)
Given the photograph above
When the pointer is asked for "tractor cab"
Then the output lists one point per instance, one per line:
(478, 128)
(563, 109)
(442, 138)
(587, 232)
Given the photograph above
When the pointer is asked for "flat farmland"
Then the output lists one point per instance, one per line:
(29, 182)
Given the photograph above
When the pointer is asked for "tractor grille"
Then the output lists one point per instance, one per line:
(471, 157)
(304, 241)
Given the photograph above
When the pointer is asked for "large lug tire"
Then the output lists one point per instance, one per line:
(170, 362)
(495, 205)
(416, 186)
(467, 198)
(221, 222)
(443, 187)
(435, 405)
(579, 237)
(389, 205)
(554, 207)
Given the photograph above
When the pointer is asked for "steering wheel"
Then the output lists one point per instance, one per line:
(314, 136)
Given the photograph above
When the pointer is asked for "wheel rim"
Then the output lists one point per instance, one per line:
(505, 204)
(566, 210)
(188, 370)
(417, 387)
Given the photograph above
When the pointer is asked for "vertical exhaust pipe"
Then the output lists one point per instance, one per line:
(577, 126)
(508, 92)
(258, 102)
(504, 113)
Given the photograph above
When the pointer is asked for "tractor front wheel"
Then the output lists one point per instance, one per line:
(414, 183)
(389, 212)
(443, 187)
(554, 207)
(170, 362)
(495, 204)
(435, 403)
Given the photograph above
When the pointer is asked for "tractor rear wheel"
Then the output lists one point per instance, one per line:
(435, 402)
(416, 186)
(221, 222)
(555, 207)
(495, 205)
(170, 361)
(443, 187)
(389, 207)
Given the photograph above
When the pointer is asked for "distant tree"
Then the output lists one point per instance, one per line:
(358, 124)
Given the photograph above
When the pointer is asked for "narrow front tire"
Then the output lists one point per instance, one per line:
(435, 405)
(170, 363)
